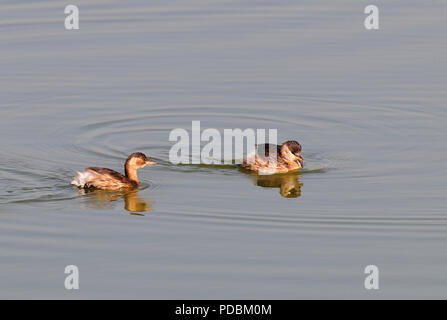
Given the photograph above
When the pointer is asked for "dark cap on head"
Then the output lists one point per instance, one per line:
(139, 155)
(293, 146)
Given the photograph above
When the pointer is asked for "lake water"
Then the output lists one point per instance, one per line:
(368, 107)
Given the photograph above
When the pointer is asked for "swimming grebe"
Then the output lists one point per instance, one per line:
(288, 158)
(106, 179)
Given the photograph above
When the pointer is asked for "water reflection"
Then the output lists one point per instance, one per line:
(103, 199)
(288, 184)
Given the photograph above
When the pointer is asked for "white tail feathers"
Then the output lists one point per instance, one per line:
(82, 179)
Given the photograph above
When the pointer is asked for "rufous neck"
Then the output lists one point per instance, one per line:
(131, 173)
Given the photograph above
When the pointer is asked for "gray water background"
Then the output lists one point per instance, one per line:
(368, 107)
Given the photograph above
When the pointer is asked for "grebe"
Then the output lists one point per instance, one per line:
(106, 179)
(288, 158)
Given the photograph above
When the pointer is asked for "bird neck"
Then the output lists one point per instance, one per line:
(286, 154)
(131, 173)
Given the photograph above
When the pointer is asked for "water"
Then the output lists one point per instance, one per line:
(368, 108)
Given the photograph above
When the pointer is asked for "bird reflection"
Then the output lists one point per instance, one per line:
(288, 184)
(103, 199)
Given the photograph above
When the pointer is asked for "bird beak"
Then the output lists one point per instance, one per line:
(148, 162)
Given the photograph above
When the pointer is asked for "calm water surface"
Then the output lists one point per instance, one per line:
(368, 107)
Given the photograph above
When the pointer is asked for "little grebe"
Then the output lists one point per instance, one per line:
(265, 160)
(106, 179)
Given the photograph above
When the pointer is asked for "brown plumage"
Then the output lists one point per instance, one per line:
(107, 179)
(271, 158)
